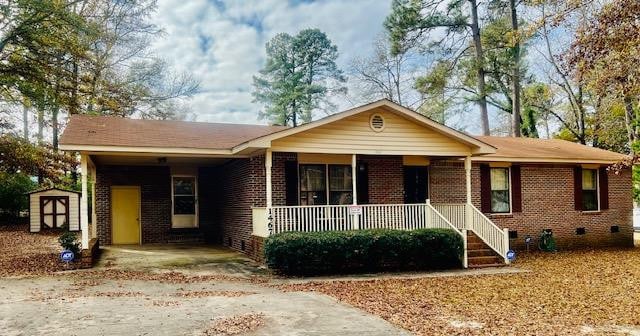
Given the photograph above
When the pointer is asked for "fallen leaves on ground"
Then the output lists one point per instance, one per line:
(568, 293)
(24, 253)
(208, 293)
(234, 325)
(171, 277)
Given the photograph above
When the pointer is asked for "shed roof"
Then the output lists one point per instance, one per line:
(51, 188)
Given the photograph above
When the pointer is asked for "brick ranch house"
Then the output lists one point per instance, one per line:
(375, 166)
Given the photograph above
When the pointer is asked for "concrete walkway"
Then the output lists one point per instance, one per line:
(96, 302)
(206, 259)
(65, 306)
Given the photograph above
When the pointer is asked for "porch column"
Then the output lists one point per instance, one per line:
(268, 161)
(468, 220)
(94, 218)
(84, 211)
(354, 173)
(468, 210)
(467, 171)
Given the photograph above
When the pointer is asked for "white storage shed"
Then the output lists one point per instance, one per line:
(54, 208)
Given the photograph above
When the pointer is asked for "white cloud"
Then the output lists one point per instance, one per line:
(222, 43)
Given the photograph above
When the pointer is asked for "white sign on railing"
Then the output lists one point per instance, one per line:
(355, 210)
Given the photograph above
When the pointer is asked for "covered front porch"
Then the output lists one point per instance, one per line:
(447, 179)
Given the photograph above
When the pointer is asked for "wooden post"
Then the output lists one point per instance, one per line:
(84, 211)
(468, 209)
(268, 161)
(354, 173)
(94, 218)
(465, 258)
(354, 190)
(506, 245)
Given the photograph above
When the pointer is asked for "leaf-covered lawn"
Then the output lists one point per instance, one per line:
(568, 293)
(25, 253)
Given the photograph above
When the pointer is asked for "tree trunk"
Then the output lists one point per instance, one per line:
(629, 118)
(40, 125)
(515, 116)
(482, 96)
(25, 121)
(54, 127)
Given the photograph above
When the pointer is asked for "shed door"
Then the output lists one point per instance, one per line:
(54, 211)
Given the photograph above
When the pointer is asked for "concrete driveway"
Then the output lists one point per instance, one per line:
(116, 298)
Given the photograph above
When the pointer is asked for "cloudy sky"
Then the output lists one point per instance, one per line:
(222, 43)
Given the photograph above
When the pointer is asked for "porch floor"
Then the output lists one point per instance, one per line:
(205, 259)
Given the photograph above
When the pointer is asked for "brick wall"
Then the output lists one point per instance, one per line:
(386, 179)
(547, 203)
(155, 203)
(242, 185)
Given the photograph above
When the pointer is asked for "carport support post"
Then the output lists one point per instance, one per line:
(84, 211)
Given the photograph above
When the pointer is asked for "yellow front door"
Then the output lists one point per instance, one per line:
(125, 215)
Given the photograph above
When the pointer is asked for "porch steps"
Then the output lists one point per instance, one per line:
(479, 255)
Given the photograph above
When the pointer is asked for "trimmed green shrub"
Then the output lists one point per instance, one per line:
(310, 253)
(69, 241)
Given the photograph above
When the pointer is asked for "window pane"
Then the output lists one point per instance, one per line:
(589, 179)
(500, 201)
(499, 179)
(341, 197)
(590, 200)
(183, 185)
(184, 205)
(340, 178)
(312, 178)
(313, 198)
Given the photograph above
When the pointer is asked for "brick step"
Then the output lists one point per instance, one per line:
(475, 241)
(485, 265)
(483, 260)
(476, 246)
(485, 252)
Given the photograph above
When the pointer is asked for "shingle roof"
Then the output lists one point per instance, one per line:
(116, 131)
(84, 130)
(546, 149)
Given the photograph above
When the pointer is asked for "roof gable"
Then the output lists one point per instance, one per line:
(431, 128)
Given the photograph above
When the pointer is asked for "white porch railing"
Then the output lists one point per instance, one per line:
(348, 217)
(315, 218)
(454, 212)
(495, 237)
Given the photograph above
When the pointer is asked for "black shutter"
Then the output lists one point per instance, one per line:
(604, 188)
(362, 182)
(485, 188)
(516, 189)
(577, 188)
(291, 182)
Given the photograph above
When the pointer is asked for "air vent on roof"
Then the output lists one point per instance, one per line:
(376, 122)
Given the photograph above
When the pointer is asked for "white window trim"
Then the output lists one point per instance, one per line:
(196, 220)
(599, 209)
(510, 192)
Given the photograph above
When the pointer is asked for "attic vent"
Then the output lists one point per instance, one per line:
(376, 123)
